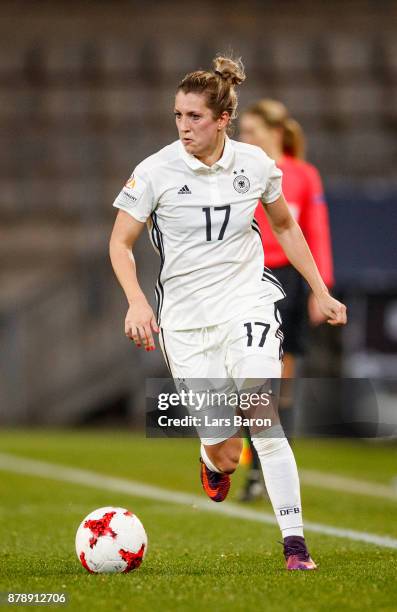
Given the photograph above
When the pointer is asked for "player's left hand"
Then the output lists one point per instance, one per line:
(316, 316)
(333, 311)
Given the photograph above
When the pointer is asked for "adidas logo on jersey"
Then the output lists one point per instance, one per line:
(184, 189)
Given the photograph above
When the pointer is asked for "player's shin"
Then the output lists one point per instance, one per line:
(281, 478)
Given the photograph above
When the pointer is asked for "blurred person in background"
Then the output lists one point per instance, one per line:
(268, 125)
(216, 315)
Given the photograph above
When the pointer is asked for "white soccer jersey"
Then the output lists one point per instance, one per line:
(201, 222)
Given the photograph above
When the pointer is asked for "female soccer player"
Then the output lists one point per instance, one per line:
(198, 197)
(267, 124)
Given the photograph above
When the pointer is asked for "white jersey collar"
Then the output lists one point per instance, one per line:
(195, 164)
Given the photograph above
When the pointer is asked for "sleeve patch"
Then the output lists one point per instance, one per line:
(133, 189)
(136, 197)
(319, 199)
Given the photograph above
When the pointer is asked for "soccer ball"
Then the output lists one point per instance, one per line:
(111, 540)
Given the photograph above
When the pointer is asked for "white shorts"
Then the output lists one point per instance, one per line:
(246, 348)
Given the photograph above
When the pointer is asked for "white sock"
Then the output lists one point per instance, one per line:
(281, 478)
(208, 461)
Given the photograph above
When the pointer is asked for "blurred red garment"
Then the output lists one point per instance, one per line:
(303, 190)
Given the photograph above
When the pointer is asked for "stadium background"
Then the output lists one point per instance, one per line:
(86, 91)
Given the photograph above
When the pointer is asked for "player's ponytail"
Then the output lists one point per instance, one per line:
(275, 115)
(217, 85)
(293, 138)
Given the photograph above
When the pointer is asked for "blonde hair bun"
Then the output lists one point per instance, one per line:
(229, 69)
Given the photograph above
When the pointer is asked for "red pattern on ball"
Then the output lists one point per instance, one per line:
(84, 563)
(132, 559)
(100, 527)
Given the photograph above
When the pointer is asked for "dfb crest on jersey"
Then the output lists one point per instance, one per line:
(241, 184)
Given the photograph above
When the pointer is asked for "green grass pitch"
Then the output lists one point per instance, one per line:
(196, 560)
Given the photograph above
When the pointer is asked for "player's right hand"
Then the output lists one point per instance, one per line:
(140, 322)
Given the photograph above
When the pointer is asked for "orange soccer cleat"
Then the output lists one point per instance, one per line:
(296, 554)
(214, 484)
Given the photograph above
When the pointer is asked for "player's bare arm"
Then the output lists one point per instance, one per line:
(293, 242)
(140, 321)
